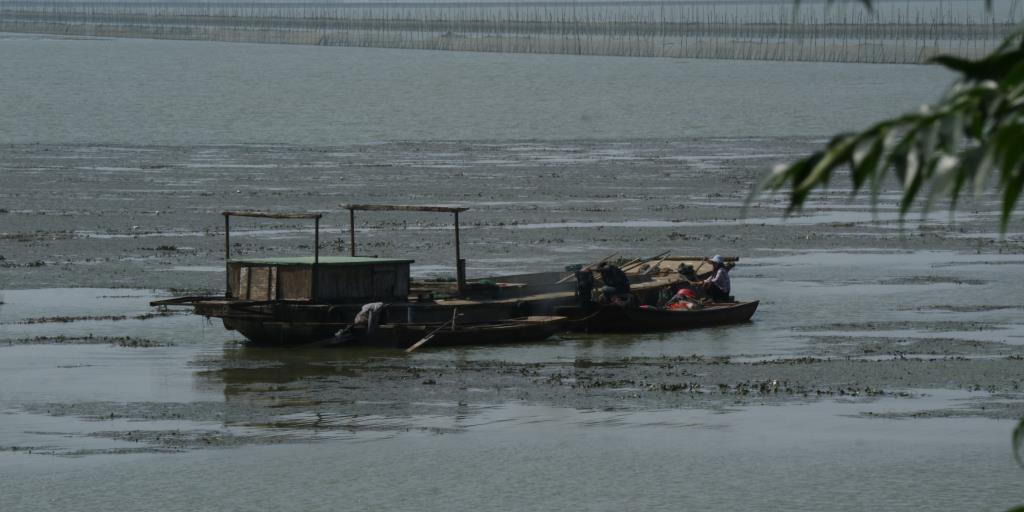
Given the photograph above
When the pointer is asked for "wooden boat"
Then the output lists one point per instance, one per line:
(297, 320)
(515, 330)
(649, 319)
(304, 299)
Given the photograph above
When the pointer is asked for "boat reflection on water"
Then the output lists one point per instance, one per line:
(297, 392)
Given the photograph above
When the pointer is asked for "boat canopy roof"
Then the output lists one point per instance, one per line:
(405, 208)
(335, 261)
(275, 215)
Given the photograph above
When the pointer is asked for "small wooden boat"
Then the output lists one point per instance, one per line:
(401, 335)
(646, 319)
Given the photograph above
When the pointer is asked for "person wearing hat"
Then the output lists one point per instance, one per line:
(717, 286)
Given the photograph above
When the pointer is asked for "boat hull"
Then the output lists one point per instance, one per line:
(523, 330)
(622, 319)
(283, 322)
(271, 332)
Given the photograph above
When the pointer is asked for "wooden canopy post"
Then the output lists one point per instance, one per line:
(316, 258)
(352, 232)
(460, 265)
(270, 215)
(227, 255)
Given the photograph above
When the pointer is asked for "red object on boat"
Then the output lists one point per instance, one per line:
(680, 306)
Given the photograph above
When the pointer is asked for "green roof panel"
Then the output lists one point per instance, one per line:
(333, 261)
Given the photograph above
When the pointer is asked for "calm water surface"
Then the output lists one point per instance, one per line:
(525, 458)
(179, 92)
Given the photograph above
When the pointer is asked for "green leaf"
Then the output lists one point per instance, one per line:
(867, 3)
(995, 66)
(958, 64)
(1014, 78)
(913, 176)
(951, 130)
(866, 165)
(798, 173)
(1008, 145)
(975, 129)
(1018, 443)
(969, 162)
(838, 151)
(983, 170)
(1010, 196)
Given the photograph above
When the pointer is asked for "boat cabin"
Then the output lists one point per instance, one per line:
(328, 279)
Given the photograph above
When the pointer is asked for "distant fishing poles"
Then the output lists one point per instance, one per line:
(909, 32)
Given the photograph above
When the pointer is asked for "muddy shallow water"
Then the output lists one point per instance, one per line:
(128, 216)
(883, 368)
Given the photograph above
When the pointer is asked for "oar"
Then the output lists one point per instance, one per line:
(702, 262)
(641, 261)
(705, 259)
(431, 334)
(652, 267)
(570, 276)
(630, 263)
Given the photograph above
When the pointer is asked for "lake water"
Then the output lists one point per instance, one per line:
(101, 410)
(177, 92)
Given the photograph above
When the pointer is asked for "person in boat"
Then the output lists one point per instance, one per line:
(368, 317)
(584, 288)
(688, 272)
(615, 282)
(718, 286)
(685, 299)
